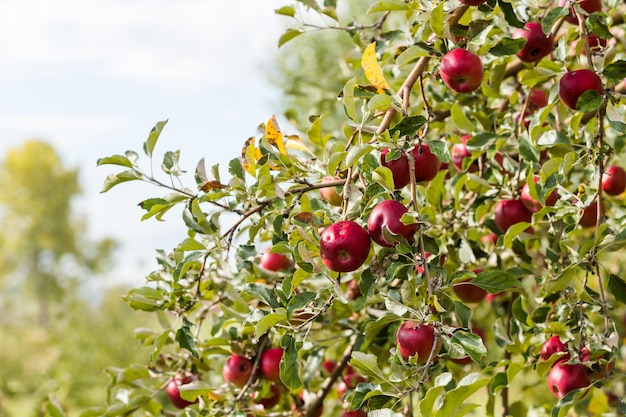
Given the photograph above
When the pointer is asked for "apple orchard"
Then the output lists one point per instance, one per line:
(437, 230)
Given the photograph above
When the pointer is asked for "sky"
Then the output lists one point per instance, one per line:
(93, 77)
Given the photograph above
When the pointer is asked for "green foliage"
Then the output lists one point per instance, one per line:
(371, 82)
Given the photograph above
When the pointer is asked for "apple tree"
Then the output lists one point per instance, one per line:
(443, 237)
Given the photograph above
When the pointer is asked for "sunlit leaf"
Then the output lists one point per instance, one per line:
(372, 69)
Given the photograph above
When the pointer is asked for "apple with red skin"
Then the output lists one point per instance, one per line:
(537, 97)
(614, 180)
(588, 6)
(344, 246)
(533, 205)
(537, 43)
(461, 70)
(173, 391)
(595, 43)
(399, 169)
(413, 339)
(271, 400)
(275, 261)
(460, 153)
(574, 84)
(551, 346)
(331, 194)
(237, 370)
(387, 214)
(350, 381)
(419, 262)
(600, 370)
(354, 413)
(473, 2)
(510, 212)
(468, 292)
(270, 364)
(589, 215)
(426, 163)
(564, 378)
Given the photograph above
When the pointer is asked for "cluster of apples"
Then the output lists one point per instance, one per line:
(565, 376)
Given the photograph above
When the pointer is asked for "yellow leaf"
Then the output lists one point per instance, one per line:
(295, 142)
(249, 155)
(211, 185)
(274, 135)
(372, 70)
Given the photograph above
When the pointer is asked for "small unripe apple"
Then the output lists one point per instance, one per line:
(461, 70)
(270, 364)
(533, 205)
(510, 212)
(399, 169)
(387, 215)
(588, 6)
(551, 346)
(537, 43)
(574, 84)
(272, 399)
(331, 194)
(275, 261)
(344, 246)
(417, 339)
(564, 378)
(614, 180)
(173, 391)
(237, 370)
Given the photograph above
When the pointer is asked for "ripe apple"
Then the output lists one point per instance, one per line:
(564, 378)
(588, 6)
(599, 370)
(460, 153)
(237, 370)
(469, 292)
(275, 261)
(329, 365)
(573, 84)
(589, 215)
(533, 205)
(537, 43)
(461, 70)
(417, 339)
(173, 391)
(419, 262)
(473, 2)
(331, 194)
(614, 180)
(270, 364)
(271, 400)
(426, 163)
(354, 413)
(510, 212)
(399, 169)
(350, 381)
(387, 214)
(538, 97)
(344, 246)
(551, 346)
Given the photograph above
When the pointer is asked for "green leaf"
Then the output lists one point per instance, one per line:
(453, 400)
(114, 179)
(615, 71)
(288, 35)
(597, 25)
(53, 408)
(267, 322)
(356, 153)
(115, 160)
(441, 151)
(150, 143)
(472, 344)
(261, 293)
(386, 5)
(289, 367)
(496, 281)
(236, 169)
(145, 298)
(463, 313)
(367, 364)
(617, 287)
(384, 412)
(507, 46)
(551, 17)
(460, 119)
(286, 11)
(509, 14)
(436, 19)
(408, 126)
(348, 99)
(300, 301)
(185, 340)
(589, 101)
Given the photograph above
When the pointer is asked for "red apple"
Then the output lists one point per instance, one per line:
(426, 163)
(387, 214)
(510, 212)
(331, 194)
(329, 365)
(461, 70)
(589, 215)
(419, 262)
(473, 2)
(574, 83)
(237, 370)
(588, 6)
(270, 364)
(614, 180)
(533, 205)
(275, 261)
(537, 43)
(344, 246)
(460, 153)
(399, 169)
(350, 381)
(564, 378)
(271, 400)
(537, 97)
(595, 43)
(469, 292)
(173, 391)
(417, 339)
(354, 413)
(551, 346)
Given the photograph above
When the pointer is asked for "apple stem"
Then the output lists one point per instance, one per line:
(255, 367)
